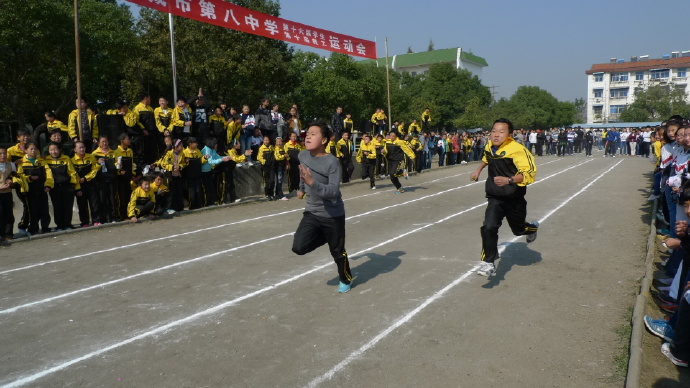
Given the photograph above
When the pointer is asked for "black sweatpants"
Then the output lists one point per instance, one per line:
(24, 221)
(680, 346)
(314, 231)
(229, 192)
(269, 175)
(195, 192)
(177, 193)
(368, 171)
(37, 201)
(107, 190)
(514, 210)
(293, 176)
(207, 179)
(6, 215)
(392, 169)
(89, 200)
(346, 168)
(62, 197)
(124, 193)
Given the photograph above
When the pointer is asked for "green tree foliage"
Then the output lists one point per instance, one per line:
(38, 61)
(656, 103)
(532, 107)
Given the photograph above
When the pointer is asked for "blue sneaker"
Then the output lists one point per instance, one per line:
(659, 328)
(343, 288)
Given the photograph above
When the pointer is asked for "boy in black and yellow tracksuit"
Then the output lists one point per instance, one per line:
(266, 156)
(511, 169)
(14, 155)
(107, 181)
(218, 128)
(397, 152)
(65, 185)
(192, 173)
(142, 203)
(37, 180)
(87, 170)
(124, 164)
(367, 157)
(279, 168)
(293, 148)
(345, 149)
(150, 137)
(175, 162)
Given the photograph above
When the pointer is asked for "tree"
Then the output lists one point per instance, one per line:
(581, 109)
(409, 50)
(431, 45)
(656, 103)
(532, 107)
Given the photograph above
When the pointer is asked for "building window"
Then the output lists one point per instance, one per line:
(619, 77)
(598, 110)
(599, 77)
(598, 93)
(682, 71)
(413, 73)
(619, 93)
(659, 73)
(616, 109)
(639, 76)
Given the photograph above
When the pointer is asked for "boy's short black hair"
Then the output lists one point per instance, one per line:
(50, 114)
(325, 131)
(211, 142)
(144, 179)
(52, 143)
(119, 104)
(505, 121)
(22, 132)
(181, 99)
(191, 140)
(122, 137)
(143, 95)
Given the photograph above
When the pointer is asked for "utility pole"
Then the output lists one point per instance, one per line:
(493, 92)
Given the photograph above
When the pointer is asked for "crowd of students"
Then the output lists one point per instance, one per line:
(671, 188)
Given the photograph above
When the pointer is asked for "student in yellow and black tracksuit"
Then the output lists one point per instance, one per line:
(397, 152)
(8, 178)
(233, 129)
(89, 125)
(332, 148)
(293, 148)
(236, 157)
(511, 169)
(87, 169)
(124, 164)
(367, 157)
(379, 144)
(136, 142)
(218, 129)
(163, 117)
(150, 137)
(107, 181)
(192, 173)
(345, 150)
(38, 180)
(15, 155)
(266, 156)
(182, 118)
(65, 186)
(348, 124)
(426, 119)
(414, 128)
(175, 162)
(142, 202)
(163, 196)
(279, 167)
(416, 147)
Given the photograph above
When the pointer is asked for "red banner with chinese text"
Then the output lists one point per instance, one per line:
(228, 15)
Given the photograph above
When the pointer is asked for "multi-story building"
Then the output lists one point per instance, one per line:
(419, 63)
(611, 86)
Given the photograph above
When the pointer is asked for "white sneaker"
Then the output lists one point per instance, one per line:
(533, 236)
(284, 199)
(486, 269)
(237, 200)
(463, 162)
(373, 188)
(652, 197)
(171, 212)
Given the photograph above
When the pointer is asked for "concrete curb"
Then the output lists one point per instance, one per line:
(632, 379)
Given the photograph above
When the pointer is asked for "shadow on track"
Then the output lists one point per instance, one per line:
(515, 254)
(375, 266)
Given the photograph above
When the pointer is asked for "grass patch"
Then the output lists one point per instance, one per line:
(622, 357)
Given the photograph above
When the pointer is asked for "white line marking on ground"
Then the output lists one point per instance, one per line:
(340, 366)
(160, 329)
(155, 270)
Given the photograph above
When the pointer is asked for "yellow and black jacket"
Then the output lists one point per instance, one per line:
(146, 117)
(293, 149)
(155, 188)
(73, 126)
(126, 158)
(233, 131)
(510, 159)
(379, 118)
(168, 161)
(110, 168)
(131, 120)
(87, 167)
(236, 155)
(26, 169)
(194, 159)
(348, 125)
(163, 119)
(281, 156)
(366, 153)
(15, 153)
(179, 117)
(63, 171)
(218, 125)
(266, 155)
(332, 149)
(426, 117)
(415, 145)
(139, 198)
(415, 128)
(344, 148)
(56, 124)
(397, 150)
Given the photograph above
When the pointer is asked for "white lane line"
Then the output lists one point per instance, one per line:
(161, 329)
(190, 232)
(155, 270)
(407, 317)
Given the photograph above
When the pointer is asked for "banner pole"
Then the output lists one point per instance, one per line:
(172, 56)
(388, 89)
(78, 68)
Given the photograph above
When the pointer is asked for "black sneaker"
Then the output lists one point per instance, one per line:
(533, 236)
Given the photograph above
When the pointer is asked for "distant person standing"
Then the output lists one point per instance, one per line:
(511, 169)
(337, 122)
(426, 119)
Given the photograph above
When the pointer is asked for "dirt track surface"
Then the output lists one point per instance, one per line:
(218, 299)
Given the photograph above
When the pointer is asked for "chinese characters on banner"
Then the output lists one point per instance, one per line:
(228, 15)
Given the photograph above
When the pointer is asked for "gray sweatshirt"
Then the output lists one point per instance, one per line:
(323, 196)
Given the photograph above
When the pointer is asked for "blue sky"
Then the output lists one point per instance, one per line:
(549, 44)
